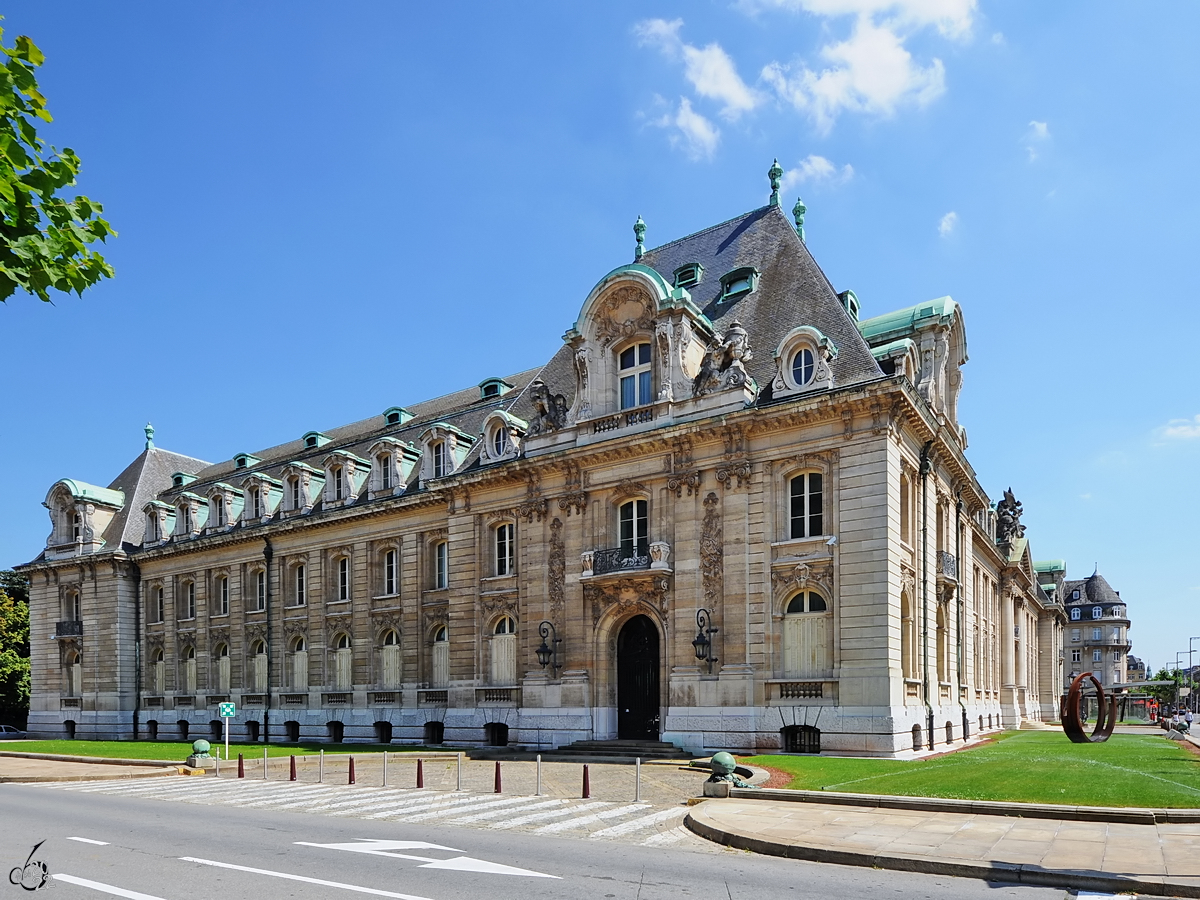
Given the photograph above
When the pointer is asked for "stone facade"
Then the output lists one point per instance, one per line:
(722, 462)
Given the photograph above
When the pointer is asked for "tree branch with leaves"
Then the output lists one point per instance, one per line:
(44, 238)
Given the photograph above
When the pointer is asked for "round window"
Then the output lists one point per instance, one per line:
(803, 366)
(500, 441)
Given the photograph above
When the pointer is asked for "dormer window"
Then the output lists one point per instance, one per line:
(218, 510)
(76, 528)
(396, 415)
(689, 275)
(1097, 612)
(293, 485)
(256, 506)
(315, 439)
(187, 520)
(384, 461)
(1075, 594)
(739, 282)
(245, 460)
(500, 442)
(339, 483)
(804, 364)
(177, 481)
(493, 388)
(440, 460)
(1076, 615)
(635, 374)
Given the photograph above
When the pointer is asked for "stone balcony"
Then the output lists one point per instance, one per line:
(653, 557)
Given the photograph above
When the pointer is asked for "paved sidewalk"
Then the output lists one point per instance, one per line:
(1160, 859)
(18, 769)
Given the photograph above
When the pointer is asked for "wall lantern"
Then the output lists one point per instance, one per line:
(547, 654)
(703, 640)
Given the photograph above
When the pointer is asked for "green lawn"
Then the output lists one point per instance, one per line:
(1026, 766)
(178, 751)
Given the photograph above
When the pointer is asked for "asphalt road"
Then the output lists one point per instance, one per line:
(148, 849)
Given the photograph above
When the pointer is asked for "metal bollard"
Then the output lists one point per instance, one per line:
(587, 784)
(420, 774)
(498, 790)
(351, 781)
(264, 763)
(539, 775)
(217, 770)
(241, 767)
(458, 785)
(292, 770)
(637, 780)
(385, 768)
(321, 769)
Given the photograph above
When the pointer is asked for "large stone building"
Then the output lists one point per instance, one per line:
(728, 513)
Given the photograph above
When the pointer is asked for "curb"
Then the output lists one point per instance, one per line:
(100, 760)
(34, 779)
(1129, 815)
(993, 871)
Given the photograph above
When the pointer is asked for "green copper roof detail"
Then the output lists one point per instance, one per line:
(904, 322)
(893, 348)
(798, 212)
(149, 436)
(81, 490)
(1050, 565)
(246, 460)
(775, 173)
(639, 232)
(396, 415)
(315, 439)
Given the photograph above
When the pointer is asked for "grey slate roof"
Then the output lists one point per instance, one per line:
(792, 290)
(1093, 591)
(143, 480)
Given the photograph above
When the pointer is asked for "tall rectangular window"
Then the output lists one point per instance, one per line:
(389, 572)
(189, 600)
(339, 485)
(1096, 654)
(301, 584)
(160, 604)
(385, 472)
(255, 504)
(441, 561)
(343, 578)
(635, 529)
(222, 596)
(807, 506)
(1096, 633)
(636, 376)
(294, 487)
(260, 590)
(505, 551)
(439, 459)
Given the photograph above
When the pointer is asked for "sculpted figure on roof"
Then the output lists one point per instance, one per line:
(1008, 519)
(724, 365)
(550, 410)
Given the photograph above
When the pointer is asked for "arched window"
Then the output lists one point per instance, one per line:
(389, 660)
(1097, 612)
(505, 551)
(804, 366)
(343, 578)
(390, 583)
(635, 374)
(73, 674)
(943, 645)
(1076, 614)
(299, 667)
(807, 505)
(221, 654)
(807, 637)
(441, 460)
(300, 581)
(258, 652)
(440, 674)
(499, 441)
(504, 651)
(189, 669)
(441, 560)
(634, 520)
(905, 510)
(343, 660)
(908, 638)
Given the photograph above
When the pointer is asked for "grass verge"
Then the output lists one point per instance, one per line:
(1022, 766)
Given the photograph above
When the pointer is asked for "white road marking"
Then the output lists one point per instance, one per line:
(639, 823)
(481, 804)
(379, 845)
(319, 804)
(588, 820)
(88, 841)
(665, 838)
(553, 814)
(495, 813)
(334, 884)
(289, 798)
(456, 864)
(439, 802)
(468, 864)
(105, 888)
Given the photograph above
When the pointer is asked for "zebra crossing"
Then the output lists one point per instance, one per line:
(635, 822)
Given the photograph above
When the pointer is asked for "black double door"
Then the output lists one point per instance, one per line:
(638, 715)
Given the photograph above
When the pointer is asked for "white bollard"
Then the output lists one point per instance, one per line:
(458, 760)
(539, 775)
(321, 769)
(385, 768)
(217, 771)
(264, 763)
(637, 780)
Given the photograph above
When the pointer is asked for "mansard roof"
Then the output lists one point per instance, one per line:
(142, 481)
(1093, 591)
(792, 290)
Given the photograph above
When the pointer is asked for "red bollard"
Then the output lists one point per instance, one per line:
(292, 773)
(497, 776)
(351, 771)
(420, 775)
(241, 767)
(587, 784)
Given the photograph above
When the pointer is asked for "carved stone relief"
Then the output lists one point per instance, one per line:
(724, 366)
(814, 574)
(628, 595)
(575, 498)
(534, 504)
(557, 567)
(550, 409)
(712, 552)
(622, 314)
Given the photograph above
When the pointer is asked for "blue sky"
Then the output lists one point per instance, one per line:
(329, 209)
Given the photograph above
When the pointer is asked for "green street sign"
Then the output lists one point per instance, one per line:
(227, 710)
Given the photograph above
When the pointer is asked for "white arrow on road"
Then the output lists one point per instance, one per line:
(455, 864)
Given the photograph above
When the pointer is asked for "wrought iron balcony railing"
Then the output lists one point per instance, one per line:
(947, 564)
(621, 559)
(70, 628)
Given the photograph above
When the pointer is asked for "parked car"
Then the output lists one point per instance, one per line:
(11, 733)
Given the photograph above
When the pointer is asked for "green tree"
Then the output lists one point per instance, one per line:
(43, 238)
(14, 645)
(1164, 694)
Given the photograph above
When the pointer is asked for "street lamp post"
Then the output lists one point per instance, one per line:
(1178, 678)
(547, 654)
(1192, 673)
(703, 640)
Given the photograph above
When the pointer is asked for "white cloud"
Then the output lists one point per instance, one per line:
(870, 72)
(1038, 133)
(711, 71)
(953, 18)
(947, 224)
(815, 169)
(998, 39)
(1181, 429)
(698, 136)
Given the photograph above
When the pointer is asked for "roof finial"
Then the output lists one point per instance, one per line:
(149, 436)
(775, 173)
(639, 232)
(798, 211)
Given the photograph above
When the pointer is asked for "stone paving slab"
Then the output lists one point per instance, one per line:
(17, 769)
(1157, 859)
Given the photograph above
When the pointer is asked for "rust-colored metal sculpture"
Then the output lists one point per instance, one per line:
(1072, 713)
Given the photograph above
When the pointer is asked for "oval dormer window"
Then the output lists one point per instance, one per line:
(804, 365)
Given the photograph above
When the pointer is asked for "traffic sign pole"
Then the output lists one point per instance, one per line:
(227, 737)
(227, 711)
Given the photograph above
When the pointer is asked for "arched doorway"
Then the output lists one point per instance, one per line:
(638, 713)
